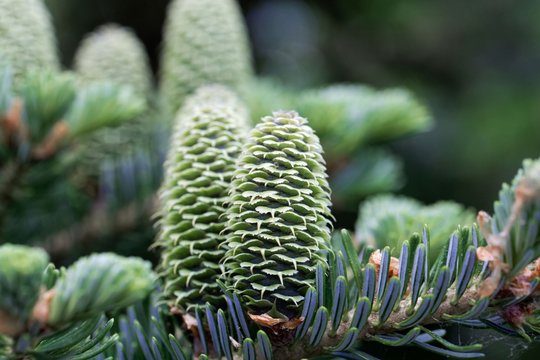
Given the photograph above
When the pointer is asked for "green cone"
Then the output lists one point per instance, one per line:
(205, 42)
(205, 145)
(113, 53)
(279, 218)
(27, 38)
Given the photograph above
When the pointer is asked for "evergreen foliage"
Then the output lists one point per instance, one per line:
(57, 314)
(387, 220)
(373, 296)
(39, 120)
(345, 116)
(96, 284)
(250, 267)
(47, 111)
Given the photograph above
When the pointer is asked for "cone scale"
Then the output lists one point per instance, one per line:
(198, 171)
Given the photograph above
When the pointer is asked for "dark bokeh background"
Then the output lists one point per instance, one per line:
(476, 64)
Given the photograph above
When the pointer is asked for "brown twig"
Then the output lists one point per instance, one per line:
(52, 142)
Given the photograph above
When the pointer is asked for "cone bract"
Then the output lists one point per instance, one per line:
(27, 38)
(279, 216)
(205, 42)
(205, 145)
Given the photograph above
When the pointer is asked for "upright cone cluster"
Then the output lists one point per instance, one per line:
(27, 38)
(113, 53)
(204, 149)
(279, 216)
(205, 42)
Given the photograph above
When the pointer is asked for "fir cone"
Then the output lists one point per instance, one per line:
(205, 42)
(27, 38)
(201, 161)
(122, 158)
(113, 53)
(279, 217)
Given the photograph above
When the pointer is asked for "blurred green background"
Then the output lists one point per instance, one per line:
(475, 64)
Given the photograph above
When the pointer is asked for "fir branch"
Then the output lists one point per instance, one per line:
(525, 193)
(303, 350)
(92, 285)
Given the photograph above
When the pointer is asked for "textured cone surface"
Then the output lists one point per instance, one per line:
(279, 217)
(26, 37)
(198, 172)
(205, 42)
(113, 53)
